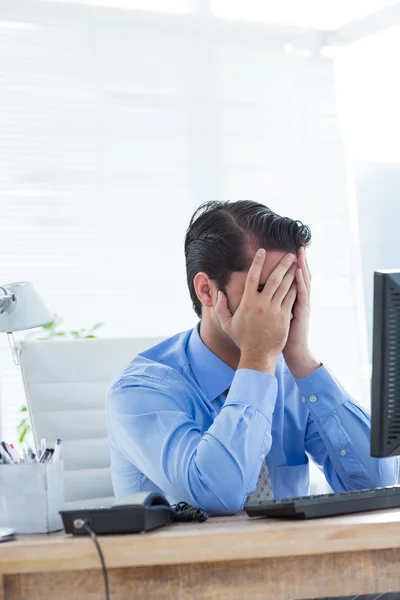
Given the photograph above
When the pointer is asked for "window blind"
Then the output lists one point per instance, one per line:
(115, 125)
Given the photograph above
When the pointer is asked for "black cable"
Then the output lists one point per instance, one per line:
(185, 512)
(180, 512)
(103, 563)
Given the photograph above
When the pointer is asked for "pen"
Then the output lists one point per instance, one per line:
(10, 456)
(31, 454)
(10, 452)
(14, 454)
(47, 455)
(6, 455)
(28, 457)
(50, 455)
(42, 448)
(43, 456)
(57, 449)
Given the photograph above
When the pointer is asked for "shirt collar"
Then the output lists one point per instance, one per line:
(212, 374)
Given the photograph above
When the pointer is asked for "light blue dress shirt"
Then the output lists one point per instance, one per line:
(174, 428)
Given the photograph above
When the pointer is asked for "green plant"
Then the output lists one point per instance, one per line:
(50, 332)
(23, 426)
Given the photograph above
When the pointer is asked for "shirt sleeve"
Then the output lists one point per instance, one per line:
(151, 423)
(338, 436)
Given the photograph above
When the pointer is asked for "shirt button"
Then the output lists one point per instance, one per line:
(313, 398)
(303, 400)
(343, 452)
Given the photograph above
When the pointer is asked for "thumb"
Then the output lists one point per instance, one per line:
(221, 308)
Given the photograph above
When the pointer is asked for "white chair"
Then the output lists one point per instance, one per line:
(66, 383)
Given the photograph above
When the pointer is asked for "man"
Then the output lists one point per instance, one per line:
(229, 412)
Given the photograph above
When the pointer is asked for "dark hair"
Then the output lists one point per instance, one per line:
(219, 233)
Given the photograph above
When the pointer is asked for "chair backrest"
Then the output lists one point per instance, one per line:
(66, 383)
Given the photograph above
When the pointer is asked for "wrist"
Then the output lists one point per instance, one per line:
(257, 361)
(302, 365)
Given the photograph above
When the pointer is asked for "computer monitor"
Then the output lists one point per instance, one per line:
(385, 389)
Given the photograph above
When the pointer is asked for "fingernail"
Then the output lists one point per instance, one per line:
(289, 256)
(261, 252)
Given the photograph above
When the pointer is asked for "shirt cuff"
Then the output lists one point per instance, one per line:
(321, 392)
(254, 388)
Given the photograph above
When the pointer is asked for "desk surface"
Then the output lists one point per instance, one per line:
(218, 539)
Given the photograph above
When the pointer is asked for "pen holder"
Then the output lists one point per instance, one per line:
(32, 496)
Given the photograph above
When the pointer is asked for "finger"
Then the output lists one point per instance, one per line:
(275, 279)
(290, 298)
(303, 266)
(286, 283)
(303, 295)
(308, 267)
(254, 274)
(222, 311)
(303, 263)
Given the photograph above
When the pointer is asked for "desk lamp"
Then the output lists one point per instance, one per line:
(21, 308)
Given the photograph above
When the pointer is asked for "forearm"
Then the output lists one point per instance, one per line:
(230, 454)
(342, 442)
(302, 365)
(258, 361)
(338, 436)
(213, 469)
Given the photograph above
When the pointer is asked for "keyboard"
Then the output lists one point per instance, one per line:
(327, 505)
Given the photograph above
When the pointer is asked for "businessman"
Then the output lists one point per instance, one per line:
(230, 411)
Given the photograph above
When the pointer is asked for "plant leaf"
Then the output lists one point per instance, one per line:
(24, 433)
(24, 409)
(22, 423)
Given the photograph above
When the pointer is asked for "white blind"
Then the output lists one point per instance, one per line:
(116, 124)
(323, 14)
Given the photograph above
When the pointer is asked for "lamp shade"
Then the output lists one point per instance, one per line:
(25, 310)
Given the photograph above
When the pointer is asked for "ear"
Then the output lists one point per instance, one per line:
(206, 290)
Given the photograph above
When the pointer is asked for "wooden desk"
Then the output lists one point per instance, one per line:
(228, 558)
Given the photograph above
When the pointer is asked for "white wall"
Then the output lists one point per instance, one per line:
(369, 100)
(115, 125)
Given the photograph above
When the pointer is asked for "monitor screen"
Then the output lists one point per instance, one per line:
(385, 391)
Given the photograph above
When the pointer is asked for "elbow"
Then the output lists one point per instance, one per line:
(216, 494)
(231, 502)
(219, 500)
(221, 504)
(385, 473)
(389, 471)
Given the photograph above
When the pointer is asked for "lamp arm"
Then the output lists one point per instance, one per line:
(5, 299)
(13, 347)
